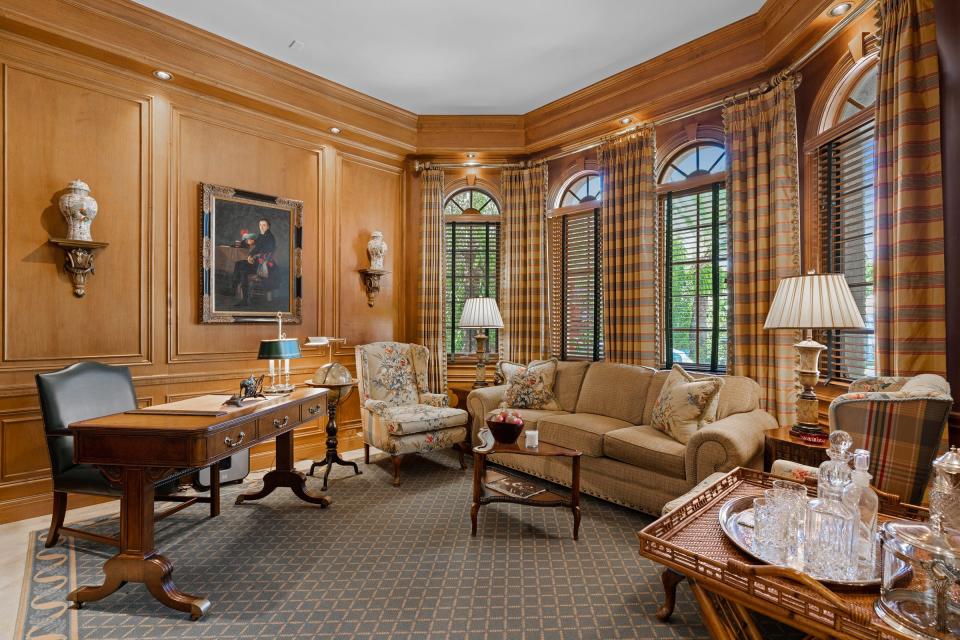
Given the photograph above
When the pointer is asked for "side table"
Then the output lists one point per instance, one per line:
(482, 494)
(780, 445)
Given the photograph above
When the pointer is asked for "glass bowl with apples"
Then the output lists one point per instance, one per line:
(506, 425)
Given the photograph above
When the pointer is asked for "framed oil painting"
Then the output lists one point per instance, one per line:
(250, 256)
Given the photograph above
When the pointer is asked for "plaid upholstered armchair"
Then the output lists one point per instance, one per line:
(399, 415)
(901, 422)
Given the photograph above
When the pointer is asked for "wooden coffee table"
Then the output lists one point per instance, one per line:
(482, 494)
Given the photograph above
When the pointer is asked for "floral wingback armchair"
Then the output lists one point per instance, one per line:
(901, 421)
(399, 415)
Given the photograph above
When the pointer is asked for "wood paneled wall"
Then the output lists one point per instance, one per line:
(143, 147)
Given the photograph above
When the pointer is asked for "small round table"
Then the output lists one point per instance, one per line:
(338, 393)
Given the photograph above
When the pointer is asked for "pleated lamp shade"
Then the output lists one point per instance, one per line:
(279, 349)
(814, 301)
(481, 313)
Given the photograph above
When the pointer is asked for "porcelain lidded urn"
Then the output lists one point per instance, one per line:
(79, 209)
(376, 249)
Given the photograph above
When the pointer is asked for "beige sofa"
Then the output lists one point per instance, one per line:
(605, 413)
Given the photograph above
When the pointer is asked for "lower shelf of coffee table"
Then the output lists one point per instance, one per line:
(546, 498)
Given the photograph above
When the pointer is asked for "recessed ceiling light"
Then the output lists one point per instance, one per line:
(160, 74)
(840, 9)
(626, 120)
(334, 130)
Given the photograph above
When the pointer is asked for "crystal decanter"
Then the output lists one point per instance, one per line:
(831, 524)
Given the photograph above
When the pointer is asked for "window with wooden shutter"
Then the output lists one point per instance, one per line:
(695, 314)
(694, 242)
(581, 291)
(472, 247)
(845, 181)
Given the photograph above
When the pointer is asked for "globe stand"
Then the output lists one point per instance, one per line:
(337, 392)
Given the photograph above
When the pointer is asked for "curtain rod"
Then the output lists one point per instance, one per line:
(694, 111)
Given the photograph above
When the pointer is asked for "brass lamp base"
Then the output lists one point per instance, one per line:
(808, 372)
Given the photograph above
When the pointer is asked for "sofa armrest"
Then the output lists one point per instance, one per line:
(480, 402)
(435, 399)
(735, 441)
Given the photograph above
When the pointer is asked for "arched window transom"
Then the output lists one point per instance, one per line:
(703, 158)
(583, 188)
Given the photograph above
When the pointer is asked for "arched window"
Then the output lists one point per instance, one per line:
(471, 202)
(582, 188)
(846, 167)
(576, 293)
(472, 247)
(699, 159)
(693, 209)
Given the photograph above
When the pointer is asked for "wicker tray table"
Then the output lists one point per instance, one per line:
(728, 585)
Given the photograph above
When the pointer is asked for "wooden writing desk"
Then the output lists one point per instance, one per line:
(137, 450)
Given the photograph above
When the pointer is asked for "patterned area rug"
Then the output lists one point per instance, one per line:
(381, 562)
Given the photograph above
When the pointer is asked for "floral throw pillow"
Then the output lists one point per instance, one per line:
(531, 387)
(685, 404)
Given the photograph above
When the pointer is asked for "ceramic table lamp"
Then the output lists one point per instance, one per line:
(279, 352)
(813, 301)
(481, 313)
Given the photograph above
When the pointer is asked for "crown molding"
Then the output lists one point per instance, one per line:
(139, 39)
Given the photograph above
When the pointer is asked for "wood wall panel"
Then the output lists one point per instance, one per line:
(370, 199)
(143, 146)
(20, 437)
(219, 153)
(57, 131)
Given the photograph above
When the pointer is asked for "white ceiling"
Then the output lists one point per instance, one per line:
(461, 56)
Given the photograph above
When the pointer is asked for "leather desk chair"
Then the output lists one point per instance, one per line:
(79, 392)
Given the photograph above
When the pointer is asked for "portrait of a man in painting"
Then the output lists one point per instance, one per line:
(251, 256)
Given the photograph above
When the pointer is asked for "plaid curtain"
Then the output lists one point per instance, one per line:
(432, 334)
(524, 274)
(628, 223)
(909, 272)
(763, 194)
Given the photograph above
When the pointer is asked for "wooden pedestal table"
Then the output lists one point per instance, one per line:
(337, 393)
(482, 494)
(138, 449)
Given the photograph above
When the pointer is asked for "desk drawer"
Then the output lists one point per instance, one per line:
(232, 439)
(278, 420)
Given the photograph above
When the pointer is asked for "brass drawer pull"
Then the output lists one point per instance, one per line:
(227, 440)
(314, 410)
(278, 424)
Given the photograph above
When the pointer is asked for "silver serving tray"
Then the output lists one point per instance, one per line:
(742, 537)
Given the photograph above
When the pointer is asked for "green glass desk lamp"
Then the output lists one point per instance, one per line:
(279, 352)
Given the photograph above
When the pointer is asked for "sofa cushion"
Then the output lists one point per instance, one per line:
(581, 431)
(531, 417)
(647, 448)
(738, 395)
(417, 418)
(531, 387)
(569, 380)
(685, 404)
(615, 390)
